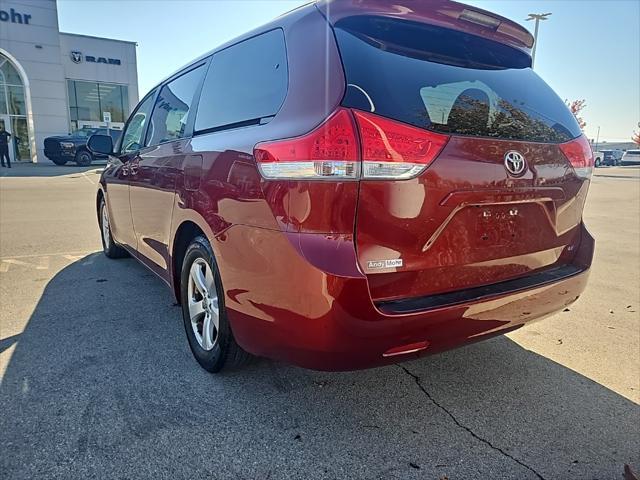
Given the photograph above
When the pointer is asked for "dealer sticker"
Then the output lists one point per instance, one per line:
(376, 264)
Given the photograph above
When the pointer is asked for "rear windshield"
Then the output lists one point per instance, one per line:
(448, 81)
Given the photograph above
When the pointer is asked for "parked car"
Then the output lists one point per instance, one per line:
(611, 157)
(631, 157)
(597, 158)
(73, 147)
(386, 187)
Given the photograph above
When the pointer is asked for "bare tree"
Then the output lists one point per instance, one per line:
(576, 107)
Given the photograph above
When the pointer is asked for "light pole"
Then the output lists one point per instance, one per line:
(537, 17)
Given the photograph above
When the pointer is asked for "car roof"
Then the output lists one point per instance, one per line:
(438, 12)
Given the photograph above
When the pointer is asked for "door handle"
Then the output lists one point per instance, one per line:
(134, 165)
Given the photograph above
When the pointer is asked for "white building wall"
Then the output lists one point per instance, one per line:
(36, 47)
(126, 73)
(44, 53)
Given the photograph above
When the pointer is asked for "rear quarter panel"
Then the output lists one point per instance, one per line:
(233, 197)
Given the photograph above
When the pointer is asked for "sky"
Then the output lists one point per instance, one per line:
(588, 49)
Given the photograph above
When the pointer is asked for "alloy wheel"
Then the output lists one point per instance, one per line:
(203, 304)
(106, 236)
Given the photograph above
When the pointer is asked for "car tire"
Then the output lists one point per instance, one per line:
(598, 163)
(59, 161)
(210, 339)
(109, 247)
(83, 158)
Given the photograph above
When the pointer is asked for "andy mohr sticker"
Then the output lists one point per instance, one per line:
(394, 263)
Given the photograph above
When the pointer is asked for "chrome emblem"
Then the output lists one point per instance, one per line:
(515, 163)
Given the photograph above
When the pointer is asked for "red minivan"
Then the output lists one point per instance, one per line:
(355, 183)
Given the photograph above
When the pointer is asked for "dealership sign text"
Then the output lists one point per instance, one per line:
(76, 57)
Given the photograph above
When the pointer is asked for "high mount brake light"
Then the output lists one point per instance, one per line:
(479, 18)
(580, 155)
(489, 21)
(394, 150)
(388, 150)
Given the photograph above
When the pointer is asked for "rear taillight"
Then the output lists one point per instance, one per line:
(393, 150)
(387, 150)
(580, 155)
(330, 152)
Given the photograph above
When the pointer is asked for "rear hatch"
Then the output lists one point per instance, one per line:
(474, 171)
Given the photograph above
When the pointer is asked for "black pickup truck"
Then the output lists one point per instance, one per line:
(612, 157)
(73, 147)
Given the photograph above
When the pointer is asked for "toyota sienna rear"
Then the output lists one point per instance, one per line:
(364, 183)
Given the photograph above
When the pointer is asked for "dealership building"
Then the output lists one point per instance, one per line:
(52, 83)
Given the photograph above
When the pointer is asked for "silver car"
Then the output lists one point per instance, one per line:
(630, 157)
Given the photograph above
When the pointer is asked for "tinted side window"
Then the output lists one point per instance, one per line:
(132, 138)
(171, 111)
(245, 82)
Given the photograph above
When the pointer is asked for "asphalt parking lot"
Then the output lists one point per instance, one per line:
(97, 380)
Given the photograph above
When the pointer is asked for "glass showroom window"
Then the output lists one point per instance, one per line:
(13, 111)
(88, 100)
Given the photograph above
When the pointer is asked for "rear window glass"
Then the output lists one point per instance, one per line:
(246, 83)
(448, 81)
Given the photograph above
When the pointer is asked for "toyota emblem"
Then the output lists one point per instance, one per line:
(515, 163)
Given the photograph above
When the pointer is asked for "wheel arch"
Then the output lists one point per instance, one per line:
(185, 233)
(99, 199)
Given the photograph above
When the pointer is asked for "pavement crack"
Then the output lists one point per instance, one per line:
(416, 378)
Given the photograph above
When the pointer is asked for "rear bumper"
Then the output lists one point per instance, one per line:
(336, 326)
(476, 294)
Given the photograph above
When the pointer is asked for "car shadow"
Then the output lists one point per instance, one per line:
(628, 171)
(101, 383)
(27, 169)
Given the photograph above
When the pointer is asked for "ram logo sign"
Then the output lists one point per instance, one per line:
(76, 57)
